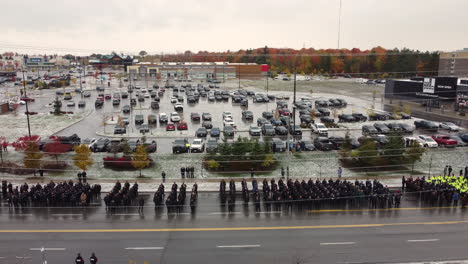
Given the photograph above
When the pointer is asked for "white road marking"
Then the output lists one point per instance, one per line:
(47, 249)
(66, 214)
(23, 257)
(272, 212)
(178, 214)
(143, 248)
(125, 214)
(220, 213)
(337, 243)
(238, 246)
(423, 240)
(19, 214)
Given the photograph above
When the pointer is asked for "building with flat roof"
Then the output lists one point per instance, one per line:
(454, 63)
(198, 70)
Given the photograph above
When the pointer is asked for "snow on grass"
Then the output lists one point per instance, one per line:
(42, 124)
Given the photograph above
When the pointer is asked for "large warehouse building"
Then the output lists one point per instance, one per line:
(199, 70)
(432, 92)
(454, 63)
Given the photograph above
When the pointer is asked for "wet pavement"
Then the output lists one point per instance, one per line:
(245, 235)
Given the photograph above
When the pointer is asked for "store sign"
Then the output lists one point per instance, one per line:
(35, 60)
(429, 85)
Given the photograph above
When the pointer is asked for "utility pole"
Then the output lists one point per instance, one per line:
(294, 107)
(27, 109)
(339, 25)
(81, 86)
(238, 73)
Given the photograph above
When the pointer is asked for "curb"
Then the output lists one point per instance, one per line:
(76, 122)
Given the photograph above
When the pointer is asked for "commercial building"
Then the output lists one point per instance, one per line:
(454, 63)
(431, 92)
(199, 70)
(110, 60)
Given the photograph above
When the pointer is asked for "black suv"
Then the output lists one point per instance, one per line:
(180, 146)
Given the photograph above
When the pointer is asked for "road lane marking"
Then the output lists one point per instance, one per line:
(380, 209)
(337, 243)
(47, 249)
(221, 213)
(259, 228)
(143, 248)
(239, 246)
(178, 213)
(66, 214)
(125, 214)
(13, 214)
(423, 240)
(272, 212)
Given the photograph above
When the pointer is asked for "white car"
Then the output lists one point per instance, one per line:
(147, 95)
(144, 90)
(227, 114)
(175, 117)
(413, 139)
(178, 107)
(449, 126)
(321, 129)
(174, 100)
(427, 141)
(88, 142)
(229, 122)
(198, 145)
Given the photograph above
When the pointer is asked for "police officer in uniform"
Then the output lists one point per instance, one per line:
(79, 259)
(93, 259)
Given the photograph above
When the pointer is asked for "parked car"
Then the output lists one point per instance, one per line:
(427, 141)
(295, 130)
(460, 142)
(278, 145)
(154, 105)
(323, 143)
(151, 147)
(406, 128)
(182, 125)
(228, 122)
(426, 125)
(139, 119)
(281, 131)
(144, 128)
(197, 146)
(180, 146)
(324, 111)
(207, 124)
(126, 109)
(261, 121)
(327, 120)
(369, 130)
(98, 103)
(212, 145)
(346, 118)
(175, 117)
(268, 130)
(445, 140)
(463, 136)
(247, 115)
(307, 145)
(449, 126)
(201, 132)
(119, 130)
(267, 115)
(170, 126)
(254, 131)
(152, 119)
(195, 117)
(215, 132)
(228, 131)
(382, 128)
(100, 145)
(206, 116)
(359, 117)
(320, 129)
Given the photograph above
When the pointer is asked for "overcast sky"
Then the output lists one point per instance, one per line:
(217, 25)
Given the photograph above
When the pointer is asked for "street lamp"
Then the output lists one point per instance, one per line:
(26, 100)
(81, 86)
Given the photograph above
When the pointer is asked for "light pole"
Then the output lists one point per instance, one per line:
(294, 107)
(27, 108)
(81, 86)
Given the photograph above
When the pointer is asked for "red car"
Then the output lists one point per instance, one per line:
(27, 99)
(101, 98)
(108, 96)
(284, 112)
(170, 127)
(182, 125)
(444, 140)
(195, 116)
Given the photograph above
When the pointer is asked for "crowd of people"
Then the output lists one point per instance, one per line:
(175, 200)
(314, 194)
(64, 194)
(122, 197)
(439, 190)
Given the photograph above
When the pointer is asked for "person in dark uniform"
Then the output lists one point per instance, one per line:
(141, 203)
(182, 172)
(163, 175)
(79, 176)
(449, 171)
(93, 259)
(84, 174)
(282, 172)
(403, 182)
(252, 173)
(41, 173)
(79, 259)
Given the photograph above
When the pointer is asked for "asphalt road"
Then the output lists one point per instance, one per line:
(212, 235)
